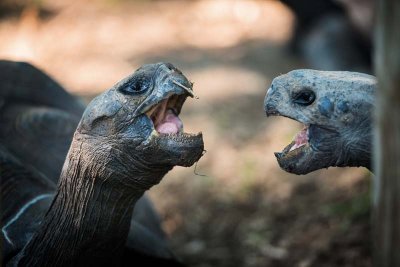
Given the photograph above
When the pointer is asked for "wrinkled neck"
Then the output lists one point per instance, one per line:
(357, 148)
(360, 159)
(88, 221)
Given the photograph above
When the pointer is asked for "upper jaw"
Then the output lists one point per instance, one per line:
(174, 88)
(269, 106)
(272, 111)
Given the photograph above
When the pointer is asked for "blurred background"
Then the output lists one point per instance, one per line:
(237, 207)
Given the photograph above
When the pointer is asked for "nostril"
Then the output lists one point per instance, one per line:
(170, 66)
(270, 109)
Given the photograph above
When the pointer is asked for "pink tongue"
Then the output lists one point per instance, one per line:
(300, 139)
(171, 124)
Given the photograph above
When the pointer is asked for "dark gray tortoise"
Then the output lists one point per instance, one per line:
(336, 108)
(72, 180)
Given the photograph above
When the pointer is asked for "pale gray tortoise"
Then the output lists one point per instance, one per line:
(128, 138)
(336, 108)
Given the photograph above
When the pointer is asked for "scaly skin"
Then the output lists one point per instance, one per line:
(115, 156)
(336, 106)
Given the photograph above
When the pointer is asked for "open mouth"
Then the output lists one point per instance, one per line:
(299, 143)
(300, 139)
(165, 115)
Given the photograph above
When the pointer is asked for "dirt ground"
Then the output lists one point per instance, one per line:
(236, 207)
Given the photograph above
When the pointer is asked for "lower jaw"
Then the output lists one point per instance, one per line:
(287, 153)
(178, 135)
(176, 139)
(293, 161)
(184, 149)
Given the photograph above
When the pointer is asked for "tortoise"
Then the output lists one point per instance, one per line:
(336, 108)
(71, 177)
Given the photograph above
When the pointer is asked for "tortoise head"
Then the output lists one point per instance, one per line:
(336, 110)
(135, 124)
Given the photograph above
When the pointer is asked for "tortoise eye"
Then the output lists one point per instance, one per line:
(304, 98)
(137, 86)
